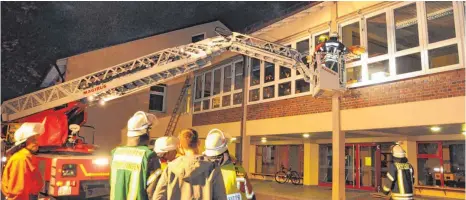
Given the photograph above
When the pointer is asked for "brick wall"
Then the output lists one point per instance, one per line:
(220, 116)
(434, 86)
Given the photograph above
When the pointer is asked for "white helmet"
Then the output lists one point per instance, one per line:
(28, 130)
(140, 122)
(398, 151)
(166, 144)
(215, 143)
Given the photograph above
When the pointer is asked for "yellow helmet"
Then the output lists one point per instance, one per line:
(323, 38)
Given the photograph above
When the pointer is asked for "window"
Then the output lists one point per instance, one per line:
(316, 38)
(441, 164)
(406, 40)
(406, 27)
(255, 72)
(198, 38)
(377, 35)
(157, 98)
(219, 87)
(269, 72)
(303, 46)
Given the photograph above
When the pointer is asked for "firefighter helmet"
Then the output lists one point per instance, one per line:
(28, 130)
(166, 144)
(215, 143)
(323, 38)
(334, 36)
(140, 122)
(398, 152)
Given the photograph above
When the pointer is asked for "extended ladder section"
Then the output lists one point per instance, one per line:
(176, 111)
(144, 72)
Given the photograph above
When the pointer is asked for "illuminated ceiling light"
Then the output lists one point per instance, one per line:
(435, 128)
(263, 141)
(263, 138)
(306, 135)
(90, 98)
(102, 102)
(233, 139)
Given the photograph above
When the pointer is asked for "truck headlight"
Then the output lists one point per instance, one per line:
(68, 170)
(100, 161)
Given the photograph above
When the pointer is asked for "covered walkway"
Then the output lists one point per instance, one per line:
(269, 190)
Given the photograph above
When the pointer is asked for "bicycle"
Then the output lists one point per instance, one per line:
(284, 175)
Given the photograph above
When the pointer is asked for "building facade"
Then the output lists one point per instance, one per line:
(409, 87)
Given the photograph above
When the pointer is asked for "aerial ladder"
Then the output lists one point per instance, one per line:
(67, 101)
(141, 73)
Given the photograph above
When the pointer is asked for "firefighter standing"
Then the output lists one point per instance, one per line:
(400, 176)
(334, 50)
(237, 184)
(132, 164)
(165, 148)
(21, 178)
(190, 176)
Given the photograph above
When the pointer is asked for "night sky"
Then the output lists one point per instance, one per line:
(35, 34)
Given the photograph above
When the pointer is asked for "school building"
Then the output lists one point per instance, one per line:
(408, 87)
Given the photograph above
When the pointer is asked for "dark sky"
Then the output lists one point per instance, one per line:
(35, 34)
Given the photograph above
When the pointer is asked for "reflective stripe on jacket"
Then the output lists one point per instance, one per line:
(237, 184)
(399, 181)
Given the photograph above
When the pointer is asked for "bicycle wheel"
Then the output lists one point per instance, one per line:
(281, 177)
(295, 178)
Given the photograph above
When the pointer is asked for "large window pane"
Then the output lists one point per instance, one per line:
(205, 104)
(226, 100)
(443, 56)
(269, 72)
(239, 75)
(269, 92)
(429, 171)
(255, 71)
(427, 148)
(408, 63)
(216, 102)
(156, 102)
(207, 83)
(325, 163)
(377, 35)
(303, 46)
(197, 106)
(238, 98)
(440, 20)
(198, 87)
(351, 35)
(353, 75)
(453, 164)
(217, 77)
(406, 30)
(378, 70)
(284, 89)
(254, 95)
(302, 86)
(227, 78)
(285, 72)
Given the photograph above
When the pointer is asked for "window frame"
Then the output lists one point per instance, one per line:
(232, 91)
(164, 96)
(422, 49)
(438, 155)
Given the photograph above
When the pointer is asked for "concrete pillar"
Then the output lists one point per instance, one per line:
(410, 147)
(338, 148)
(311, 164)
(251, 157)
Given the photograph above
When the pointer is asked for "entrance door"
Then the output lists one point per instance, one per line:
(362, 166)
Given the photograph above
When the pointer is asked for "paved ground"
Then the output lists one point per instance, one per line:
(269, 190)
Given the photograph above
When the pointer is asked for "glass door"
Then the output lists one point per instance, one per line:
(368, 166)
(350, 165)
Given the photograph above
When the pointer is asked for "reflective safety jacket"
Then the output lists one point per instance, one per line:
(237, 185)
(21, 178)
(129, 173)
(154, 178)
(399, 181)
